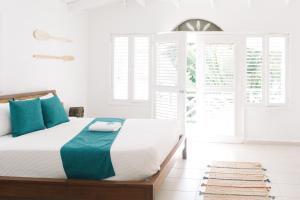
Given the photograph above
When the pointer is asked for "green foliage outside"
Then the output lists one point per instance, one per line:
(191, 67)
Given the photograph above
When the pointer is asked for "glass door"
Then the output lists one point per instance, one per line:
(218, 63)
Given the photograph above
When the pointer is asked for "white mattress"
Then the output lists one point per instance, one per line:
(137, 152)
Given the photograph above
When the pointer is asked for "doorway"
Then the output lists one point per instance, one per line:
(213, 87)
(196, 81)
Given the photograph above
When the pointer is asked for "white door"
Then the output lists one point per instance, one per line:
(219, 87)
(169, 77)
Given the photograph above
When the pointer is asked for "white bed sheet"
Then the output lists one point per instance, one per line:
(137, 153)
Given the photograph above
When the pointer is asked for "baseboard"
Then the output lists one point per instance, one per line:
(273, 142)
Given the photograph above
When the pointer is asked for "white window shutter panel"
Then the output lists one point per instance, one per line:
(254, 70)
(166, 105)
(141, 68)
(277, 70)
(166, 97)
(120, 67)
(167, 57)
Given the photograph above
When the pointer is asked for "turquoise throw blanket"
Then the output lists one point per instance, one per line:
(87, 155)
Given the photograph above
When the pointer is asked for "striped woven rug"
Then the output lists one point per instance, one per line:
(235, 181)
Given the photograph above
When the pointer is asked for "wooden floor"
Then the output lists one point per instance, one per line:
(282, 162)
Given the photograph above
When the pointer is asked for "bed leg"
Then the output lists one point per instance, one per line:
(150, 195)
(184, 153)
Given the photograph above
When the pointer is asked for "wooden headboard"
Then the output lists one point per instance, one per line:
(24, 96)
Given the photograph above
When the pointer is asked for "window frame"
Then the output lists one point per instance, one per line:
(265, 71)
(131, 66)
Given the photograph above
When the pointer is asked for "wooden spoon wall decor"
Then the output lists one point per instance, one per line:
(63, 58)
(43, 35)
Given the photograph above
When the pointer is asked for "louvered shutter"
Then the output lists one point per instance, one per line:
(166, 97)
(166, 105)
(141, 68)
(120, 68)
(254, 70)
(277, 70)
(166, 64)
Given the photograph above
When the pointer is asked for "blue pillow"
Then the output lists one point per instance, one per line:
(26, 116)
(53, 112)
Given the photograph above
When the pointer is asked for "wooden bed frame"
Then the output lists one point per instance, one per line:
(16, 188)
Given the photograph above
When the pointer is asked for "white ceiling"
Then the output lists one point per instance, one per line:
(70, 1)
(90, 4)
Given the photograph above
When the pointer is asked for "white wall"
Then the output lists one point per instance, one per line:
(282, 124)
(19, 72)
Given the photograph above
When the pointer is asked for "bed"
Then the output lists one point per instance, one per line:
(31, 169)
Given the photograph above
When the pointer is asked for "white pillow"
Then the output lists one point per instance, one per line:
(5, 124)
(67, 108)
